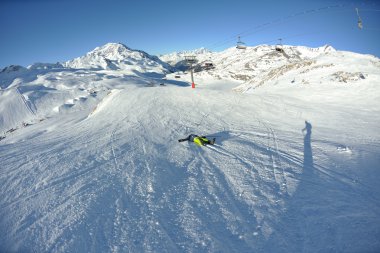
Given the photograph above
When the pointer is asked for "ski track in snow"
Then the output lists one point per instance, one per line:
(226, 197)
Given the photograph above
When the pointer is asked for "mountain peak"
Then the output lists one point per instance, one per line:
(112, 48)
(111, 51)
(117, 56)
(12, 68)
(327, 48)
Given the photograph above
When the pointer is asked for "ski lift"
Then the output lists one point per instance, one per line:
(190, 59)
(240, 44)
(279, 46)
(208, 65)
(360, 23)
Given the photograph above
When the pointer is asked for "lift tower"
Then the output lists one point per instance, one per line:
(190, 59)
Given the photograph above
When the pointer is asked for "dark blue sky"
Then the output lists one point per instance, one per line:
(59, 30)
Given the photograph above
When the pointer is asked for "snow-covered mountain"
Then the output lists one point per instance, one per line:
(178, 59)
(90, 159)
(116, 56)
(264, 64)
(252, 62)
(43, 89)
(175, 57)
(236, 57)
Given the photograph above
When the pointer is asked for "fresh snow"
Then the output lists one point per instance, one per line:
(90, 160)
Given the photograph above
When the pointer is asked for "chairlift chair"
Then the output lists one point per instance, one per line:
(190, 59)
(360, 23)
(208, 65)
(240, 44)
(279, 47)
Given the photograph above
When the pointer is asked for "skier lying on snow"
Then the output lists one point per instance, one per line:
(199, 140)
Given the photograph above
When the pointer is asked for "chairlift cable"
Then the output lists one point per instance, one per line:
(264, 26)
(360, 23)
(368, 10)
(371, 29)
(287, 19)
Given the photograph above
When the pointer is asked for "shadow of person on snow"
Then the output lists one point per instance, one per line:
(219, 136)
(293, 229)
(307, 151)
(320, 211)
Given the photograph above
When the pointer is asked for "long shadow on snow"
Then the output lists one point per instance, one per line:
(320, 214)
(215, 195)
(206, 165)
(220, 136)
(292, 231)
(259, 146)
(176, 83)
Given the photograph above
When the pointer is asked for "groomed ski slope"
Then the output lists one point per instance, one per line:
(116, 179)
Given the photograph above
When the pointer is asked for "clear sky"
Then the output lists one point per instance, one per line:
(60, 30)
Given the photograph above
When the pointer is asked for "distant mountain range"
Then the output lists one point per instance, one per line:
(253, 66)
(263, 64)
(116, 56)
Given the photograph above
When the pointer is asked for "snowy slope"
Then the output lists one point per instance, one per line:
(110, 175)
(44, 90)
